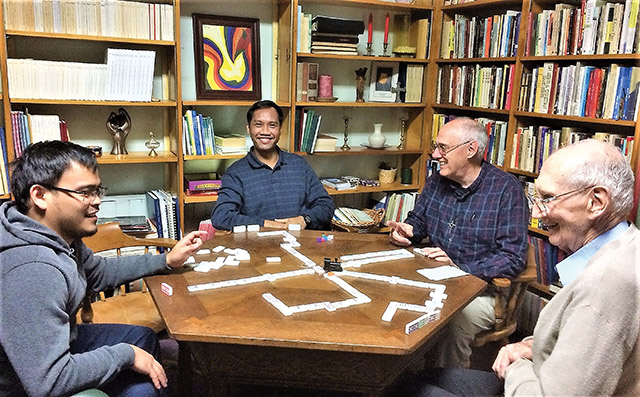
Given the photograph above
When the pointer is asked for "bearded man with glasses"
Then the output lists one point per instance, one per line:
(475, 218)
(45, 272)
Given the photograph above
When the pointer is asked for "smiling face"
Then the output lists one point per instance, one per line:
(70, 214)
(453, 153)
(567, 217)
(264, 130)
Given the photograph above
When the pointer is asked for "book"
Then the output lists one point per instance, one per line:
(202, 182)
(336, 183)
(325, 143)
(232, 140)
(325, 24)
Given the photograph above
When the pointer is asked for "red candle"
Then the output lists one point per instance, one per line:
(370, 27)
(386, 28)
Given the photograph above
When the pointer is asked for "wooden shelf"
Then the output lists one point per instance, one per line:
(138, 158)
(469, 108)
(476, 60)
(361, 58)
(370, 189)
(31, 101)
(65, 36)
(420, 4)
(360, 150)
(215, 156)
(538, 231)
(241, 103)
(589, 120)
(199, 199)
(5, 196)
(362, 104)
(575, 58)
(521, 172)
(472, 5)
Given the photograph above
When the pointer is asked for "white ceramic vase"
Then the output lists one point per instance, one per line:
(377, 139)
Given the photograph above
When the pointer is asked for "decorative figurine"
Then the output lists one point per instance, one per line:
(152, 144)
(119, 126)
(360, 79)
(404, 116)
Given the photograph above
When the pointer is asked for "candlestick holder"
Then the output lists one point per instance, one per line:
(403, 122)
(385, 46)
(346, 146)
(369, 45)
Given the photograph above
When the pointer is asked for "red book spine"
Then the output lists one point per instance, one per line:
(512, 70)
(529, 31)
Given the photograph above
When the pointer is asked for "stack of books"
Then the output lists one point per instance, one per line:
(331, 35)
(337, 183)
(202, 184)
(230, 144)
(351, 216)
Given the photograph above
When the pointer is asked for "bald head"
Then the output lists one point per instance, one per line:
(467, 129)
(594, 163)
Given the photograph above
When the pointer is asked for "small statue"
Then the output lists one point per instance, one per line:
(119, 126)
(152, 144)
(360, 79)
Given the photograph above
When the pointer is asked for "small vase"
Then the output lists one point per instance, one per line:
(377, 139)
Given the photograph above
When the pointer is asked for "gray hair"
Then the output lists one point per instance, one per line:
(471, 130)
(610, 169)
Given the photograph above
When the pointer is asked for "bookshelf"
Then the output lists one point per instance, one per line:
(525, 61)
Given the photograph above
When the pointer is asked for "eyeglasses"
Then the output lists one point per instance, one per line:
(541, 203)
(444, 149)
(87, 195)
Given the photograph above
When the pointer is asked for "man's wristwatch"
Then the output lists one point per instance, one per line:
(307, 219)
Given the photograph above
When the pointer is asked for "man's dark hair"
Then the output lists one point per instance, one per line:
(43, 163)
(264, 104)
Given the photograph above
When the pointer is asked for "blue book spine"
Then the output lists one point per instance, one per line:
(196, 131)
(624, 80)
(5, 159)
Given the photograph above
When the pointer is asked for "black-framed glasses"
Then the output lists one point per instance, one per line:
(444, 149)
(87, 195)
(541, 203)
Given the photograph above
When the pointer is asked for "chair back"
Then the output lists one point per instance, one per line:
(135, 308)
(509, 298)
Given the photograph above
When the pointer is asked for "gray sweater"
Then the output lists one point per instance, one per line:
(42, 285)
(586, 339)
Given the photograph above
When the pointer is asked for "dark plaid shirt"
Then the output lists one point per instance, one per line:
(482, 228)
(252, 192)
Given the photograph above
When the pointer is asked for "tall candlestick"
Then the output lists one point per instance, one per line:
(386, 28)
(370, 28)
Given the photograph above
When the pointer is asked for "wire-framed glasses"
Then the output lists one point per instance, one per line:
(541, 203)
(444, 149)
(87, 194)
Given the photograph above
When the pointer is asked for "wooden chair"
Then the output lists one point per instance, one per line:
(135, 308)
(509, 297)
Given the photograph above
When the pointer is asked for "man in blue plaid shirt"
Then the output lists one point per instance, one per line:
(475, 217)
(270, 187)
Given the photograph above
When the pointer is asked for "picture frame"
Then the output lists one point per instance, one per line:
(218, 40)
(383, 79)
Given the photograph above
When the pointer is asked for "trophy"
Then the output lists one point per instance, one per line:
(152, 144)
(119, 126)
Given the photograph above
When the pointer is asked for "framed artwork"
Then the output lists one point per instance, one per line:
(227, 57)
(384, 81)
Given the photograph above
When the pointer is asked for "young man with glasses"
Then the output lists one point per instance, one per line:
(587, 339)
(45, 272)
(475, 218)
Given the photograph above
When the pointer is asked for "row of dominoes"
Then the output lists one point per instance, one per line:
(270, 277)
(367, 255)
(421, 322)
(404, 254)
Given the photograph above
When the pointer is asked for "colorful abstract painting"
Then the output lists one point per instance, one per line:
(227, 56)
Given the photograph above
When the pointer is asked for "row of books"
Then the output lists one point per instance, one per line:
(411, 78)
(114, 18)
(547, 257)
(592, 27)
(398, 205)
(480, 37)
(127, 76)
(199, 137)
(307, 81)
(163, 211)
(533, 144)
(351, 216)
(307, 125)
(29, 128)
(4, 164)
(475, 85)
(582, 90)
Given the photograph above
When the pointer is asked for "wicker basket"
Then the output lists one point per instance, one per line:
(387, 176)
(362, 227)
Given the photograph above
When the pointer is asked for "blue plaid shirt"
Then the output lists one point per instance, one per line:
(252, 192)
(482, 228)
